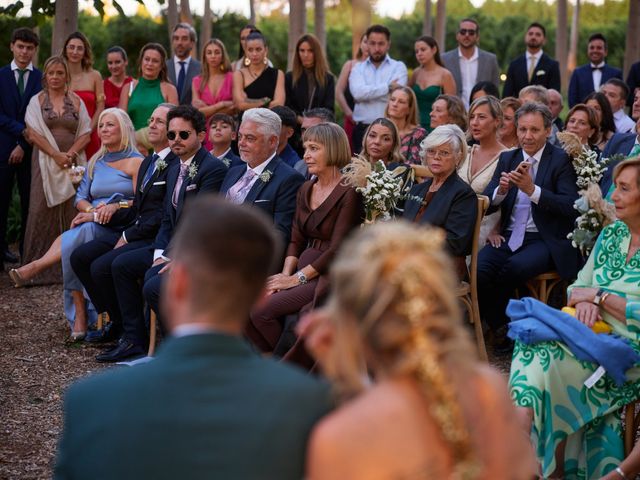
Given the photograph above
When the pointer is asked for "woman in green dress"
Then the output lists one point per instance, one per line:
(575, 429)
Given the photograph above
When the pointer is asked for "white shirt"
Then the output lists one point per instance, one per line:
(192, 329)
(469, 74)
(597, 75)
(15, 69)
(258, 170)
(623, 122)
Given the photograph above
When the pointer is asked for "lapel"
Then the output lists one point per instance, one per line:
(13, 86)
(589, 78)
(544, 165)
(171, 70)
(541, 66)
(411, 208)
(317, 216)
(440, 202)
(197, 161)
(482, 66)
(259, 185)
(510, 199)
(140, 190)
(236, 175)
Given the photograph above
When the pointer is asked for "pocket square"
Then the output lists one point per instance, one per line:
(261, 201)
(540, 72)
(159, 183)
(191, 187)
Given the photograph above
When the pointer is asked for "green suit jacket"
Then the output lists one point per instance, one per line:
(206, 407)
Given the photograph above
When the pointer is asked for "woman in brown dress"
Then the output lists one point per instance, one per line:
(59, 128)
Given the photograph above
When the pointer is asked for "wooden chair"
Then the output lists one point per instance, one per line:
(631, 424)
(468, 291)
(542, 285)
(153, 321)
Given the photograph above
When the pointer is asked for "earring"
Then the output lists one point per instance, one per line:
(222, 68)
(247, 62)
(265, 61)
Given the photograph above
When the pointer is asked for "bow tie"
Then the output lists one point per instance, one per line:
(595, 68)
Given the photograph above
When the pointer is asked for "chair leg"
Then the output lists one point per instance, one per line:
(152, 333)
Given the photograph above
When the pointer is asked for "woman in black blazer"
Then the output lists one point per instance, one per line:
(310, 84)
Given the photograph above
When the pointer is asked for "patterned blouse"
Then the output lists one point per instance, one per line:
(410, 145)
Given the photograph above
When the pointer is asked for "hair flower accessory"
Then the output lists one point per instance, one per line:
(193, 170)
(161, 164)
(265, 176)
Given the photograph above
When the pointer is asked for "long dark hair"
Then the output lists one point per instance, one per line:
(320, 67)
(251, 27)
(163, 76)
(607, 123)
(433, 44)
(87, 58)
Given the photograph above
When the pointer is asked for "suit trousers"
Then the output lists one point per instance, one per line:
(8, 175)
(358, 137)
(501, 271)
(128, 271)
(151, 289)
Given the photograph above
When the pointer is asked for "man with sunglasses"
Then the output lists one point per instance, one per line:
(469, 64)
(197, 172)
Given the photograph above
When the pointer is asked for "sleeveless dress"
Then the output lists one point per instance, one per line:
(112, 92)
(44, 224)
(89, 99)
(144, 99)
(264, 85)
(225, 93)
(108, 185)
(425, 98)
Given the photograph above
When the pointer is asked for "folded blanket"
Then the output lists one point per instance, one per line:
(532, 322)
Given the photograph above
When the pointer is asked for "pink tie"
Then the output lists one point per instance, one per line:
(176, 191)
(520, 217)
(238, 192)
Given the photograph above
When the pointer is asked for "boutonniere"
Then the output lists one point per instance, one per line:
(160, 165)
(226, 162)
(265, 176)
(193, 170)
(540, 72)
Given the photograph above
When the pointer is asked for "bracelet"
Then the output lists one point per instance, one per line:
(619, 471)
(95, 216)
(89, 209)
(604, 297)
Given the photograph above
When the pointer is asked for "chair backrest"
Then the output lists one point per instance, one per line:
(483, 204)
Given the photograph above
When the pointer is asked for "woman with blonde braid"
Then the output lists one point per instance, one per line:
(433, 410)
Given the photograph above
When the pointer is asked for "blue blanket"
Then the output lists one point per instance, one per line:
(532, 322)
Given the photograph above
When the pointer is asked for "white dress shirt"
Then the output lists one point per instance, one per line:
(469, 74)
(15, 69)
(597, 75)
(176, 64)
(623, 122)
(258, 170)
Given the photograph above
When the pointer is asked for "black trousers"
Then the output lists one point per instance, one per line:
(9, 174)
(358, 136)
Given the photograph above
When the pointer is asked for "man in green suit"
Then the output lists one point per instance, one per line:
(207, 406)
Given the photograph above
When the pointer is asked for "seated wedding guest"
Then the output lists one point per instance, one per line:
(485, 118)
(289, 123)
(222, 132)
(482, 89)
(212, 90)
(107, 186)
(445, 200)
(382, 142)
(507, 132)
(556, 106)
(327, 211)
(117, 62)
(539, 94)
(257, 84)
(92, 261)
(448, 109)
(311, 118)
(534, 188)
(59, 126)
(196, 173)
(207, 403)
(243, 59)
(607, 127)
(402, 110)
(589, 445)
(582, 121)
(310, 84)
(142, 96)
(433, 410)
(617, 92)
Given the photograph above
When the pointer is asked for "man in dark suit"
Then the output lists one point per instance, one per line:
(534, 187)
(181, 67)
(197, 172)
(19, 81)
(633, 82)
(469, 64)
(92, 261)
(206, 406)
(588, 78)
(534, 67)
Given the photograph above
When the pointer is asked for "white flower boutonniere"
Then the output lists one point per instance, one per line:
(193, 170)
(160, 165)
(265, 176)
(540, 72)
(226, 162)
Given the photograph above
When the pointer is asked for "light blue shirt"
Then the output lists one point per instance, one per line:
(369, 86)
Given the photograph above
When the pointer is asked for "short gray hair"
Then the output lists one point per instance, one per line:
(268, 122)
(193, 36)
(449, 133)
(539, 108)
(538, 91)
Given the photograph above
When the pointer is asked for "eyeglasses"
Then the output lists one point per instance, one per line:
(184, 134)
(466, 31)
(432, 152)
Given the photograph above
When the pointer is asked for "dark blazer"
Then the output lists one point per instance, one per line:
(297, 97)
(144, 217)
(194, 69)
(276, 197)
(206, 407)
(620, 143)
(488, 70)
(581, 83)
(554, 214)
(547, 74)
(208, 178)
(231, 160)
(453, 208)
(12, 110)
(633, 81)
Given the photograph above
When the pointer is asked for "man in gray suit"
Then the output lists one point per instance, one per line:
(181, 67)
(207, 406)
(469, 64)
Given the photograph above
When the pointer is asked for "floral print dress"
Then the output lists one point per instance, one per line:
(548, 378)
(410, 145)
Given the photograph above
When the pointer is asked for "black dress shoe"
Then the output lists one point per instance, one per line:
(123, 351)
(109, 333)
(9, 257)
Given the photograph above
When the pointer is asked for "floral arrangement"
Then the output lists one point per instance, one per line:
(193, 170)
(265, 176)
(76, 172)
(595, 212)
(381, 189)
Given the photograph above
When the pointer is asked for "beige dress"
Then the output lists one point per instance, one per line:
(478, 182)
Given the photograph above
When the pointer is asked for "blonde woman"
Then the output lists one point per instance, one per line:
(402, 110)
(432, 409)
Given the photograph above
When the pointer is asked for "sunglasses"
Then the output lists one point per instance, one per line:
(466, 31)
(184, 134)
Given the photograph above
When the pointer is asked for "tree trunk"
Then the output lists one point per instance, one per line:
(65, 23)
(172, 16)
(426, 21)
(252, 12)
(632, 44)
(441, 23)
(319, 23)
(561, 40)
(572, 58)
(297, 26)
(360, 21)
(185, 12)
(205, 29)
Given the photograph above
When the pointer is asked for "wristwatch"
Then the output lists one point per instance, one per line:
(123, 204)
(598, 297)
(302, 278)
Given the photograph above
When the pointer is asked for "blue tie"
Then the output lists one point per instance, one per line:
(149, 173)
(181, 77)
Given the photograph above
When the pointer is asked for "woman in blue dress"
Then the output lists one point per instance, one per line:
(107, 185)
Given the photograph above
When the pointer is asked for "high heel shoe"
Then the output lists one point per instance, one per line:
(77, 336)
(17, 279)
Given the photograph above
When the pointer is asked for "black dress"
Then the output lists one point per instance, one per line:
(264, 85)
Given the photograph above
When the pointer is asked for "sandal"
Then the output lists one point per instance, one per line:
(17, 279)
